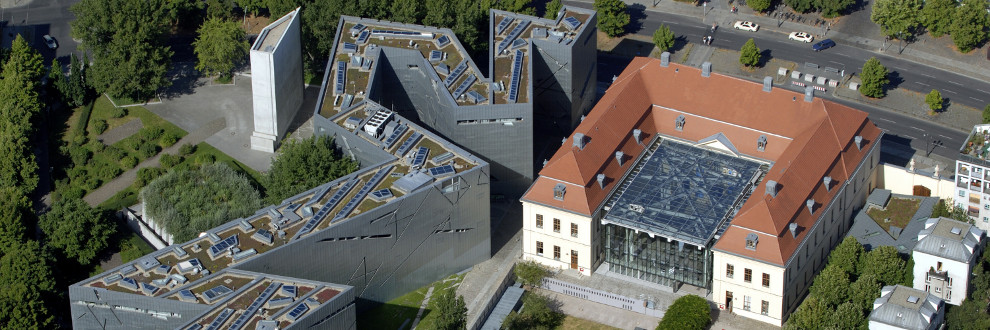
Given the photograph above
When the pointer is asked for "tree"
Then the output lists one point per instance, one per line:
(127, 39)
(801, 6)
(612, 17)
(831, 286)
(524, 7)
(874, 77)
(77, 229)
(749, 55)
(220, 9)
(986, 114)
(25, 60)
(451, 310)
(76, 94)
(305, 164)
(26, 282)
(553, 7)
(833, 8)
(848, 316)
(278, 8)
(220, 47)
(886, 265)
(937, 16)
(811, 314)
(188, 202)
(19, 105)
(537, 313)
(934, 100)
(688, 312)
(439, 13)
(57, 81)
(377, 9)
(846, 255)
(898, 19)
(253, 7)
(663, 38)
(470, 15)
(14, 209)
(406, 11)
(759, 5)
(969, 25)
(320, 27)
(530, 273)
(864, 291)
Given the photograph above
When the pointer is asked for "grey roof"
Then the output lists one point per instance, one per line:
(682, 192)
(868, 233)
(412, 181)
(879, 197)
(505, 304)
(906, 308)
(949, 239)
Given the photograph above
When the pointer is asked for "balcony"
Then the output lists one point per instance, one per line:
(937, 276)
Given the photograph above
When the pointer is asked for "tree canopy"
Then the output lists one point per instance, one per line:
(874, 78)
(26, 282)
(612, 17)
(188, 202)
(77, 229)
(937, 16)
(220, 47)
(537, 313)
(305, 164)
(846, 255)
(758, 5)
(970, 24)
(934, 100)
(15, 208)
(19, 105)
(451, 310)
(749, 55)
(553, 7)
(898, 19)
(688, 312)
(530, 273)
(663, 38)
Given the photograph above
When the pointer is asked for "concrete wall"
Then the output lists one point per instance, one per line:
(138, 226)
(584, 243)
(901, 181)
(277, 86)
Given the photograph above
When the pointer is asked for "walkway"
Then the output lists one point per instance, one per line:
(121, 132)
(126, 179)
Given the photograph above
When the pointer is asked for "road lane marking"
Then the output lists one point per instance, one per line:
(917, 128)
(926, 75)
(888, 120)
(835, 62)
(976, 99)
(841, 54)
(921, 83)
(951, 91)
(953, 82)
(983, 91)
(944, 136)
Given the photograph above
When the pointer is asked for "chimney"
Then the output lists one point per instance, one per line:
(601, 180)
(544, 163)
(637, 133)
(582, 118)
(859, 142)
(809, 94)
(767, 83)
(579, 140)
(811, 205)
(665, 59)
(618, 157)
(563, 140)
(828, 183)
(771, 188)
(793, 228)
(706, 69)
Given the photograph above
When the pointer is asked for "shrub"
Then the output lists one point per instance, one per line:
(168, 139)
(687, 313)
(147, 174)
(151, 133)
(169, 161)
(113, 152)
(95, 146)
(132, 143)
(108, 171)
(91, 183)
(118, 112)
(99, 126)
(749, 55)
(71, 193)
(147, 150)
(205, 159)
(128, 162)
(934, 100)
(79, 155)
(187, 149)
(302, 165)
(77, 174)
(530, 273)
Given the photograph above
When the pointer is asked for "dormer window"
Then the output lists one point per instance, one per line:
(679, 123)
(558, 191)
(751, 240)
(761, 143)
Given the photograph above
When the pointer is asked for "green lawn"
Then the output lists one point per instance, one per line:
(394, 313)
(899, 210)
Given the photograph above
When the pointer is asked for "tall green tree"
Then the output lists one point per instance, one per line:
(811, 314)
(934, 100)
(663, 38)
(969, 25)
(76, 90)
(439, 13)
(78, 230)
(831, 286)
(749, 55)
(220, 47)
(278, 8)
(406, 11)
(886, 265)
(377, 9)
(253, 7)
(24, 286)
(553, 7)
(536, 313)
(57, 81)
(524, 7)
(801, 6)
(19, 105)
(937, 16)
(898, 19)
(848, 316)
(688, 312)
(127, 39)
(451, 310)
(25, 60)
(15, 209)
(222, 9)
(303, 165)
(530, 273)
(833, 8)
(612, 17)
(470, 15)
(864, 291)
(320, 27)
(846, 255)
(874, 78)
(759, 5)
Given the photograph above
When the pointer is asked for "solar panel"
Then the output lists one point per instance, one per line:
(464, 86)
(519, 43)
(195, 326)
(350, 48)
(436, 56)
(443, 41)
(341, 75)
(221, 319)
(363, 37)
(572, 23)
(410, 142)
(253, 308)
(442, 157)
(217, 292)
(223, 245)
(375, 179)
(148, 288)
(325, 210)
(395, 135)
(420, 157)
(516, 73)
(319, 195)
(441, 170)
(129, 283)
(502, 46)
(187, 295)
(502, 25)
(263, 236)
(458, 71)
(289, 290)
(298, 311)
(382, 193)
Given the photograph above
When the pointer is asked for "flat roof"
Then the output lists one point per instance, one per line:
(272, 33)
(683, 192)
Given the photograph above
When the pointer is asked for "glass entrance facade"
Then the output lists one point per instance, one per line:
(656, 259)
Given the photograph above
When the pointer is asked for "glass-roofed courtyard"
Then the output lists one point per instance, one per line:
(666, 215)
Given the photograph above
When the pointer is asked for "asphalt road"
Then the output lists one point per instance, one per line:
(38, 18)
(957, 88)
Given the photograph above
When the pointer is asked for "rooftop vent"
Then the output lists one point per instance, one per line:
(706, 69)
(771, 188)
(563, 140)
(619, 155)
(955, 231)
(751, 240)
(544, 163)
(859, 142)
(579, 140)
(767, 83)
(912, 299)
(827, 181)
(558, 191)
(761, 143)
(582, 118)
(601, 180)
(810, 203)
(679, 123)
(665, 59)
(637, 134)
(793, 227)
(809, 94)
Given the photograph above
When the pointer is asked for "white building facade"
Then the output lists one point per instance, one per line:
(276, 81)
(558, 238)
(944, 257)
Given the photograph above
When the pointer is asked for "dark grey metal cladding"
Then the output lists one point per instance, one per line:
(564, 77)
(103, 313)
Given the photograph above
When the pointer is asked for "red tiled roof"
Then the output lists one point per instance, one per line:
(805, 140)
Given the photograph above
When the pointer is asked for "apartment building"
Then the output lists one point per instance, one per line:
(973, 176)
(944, 258)
(903, 308)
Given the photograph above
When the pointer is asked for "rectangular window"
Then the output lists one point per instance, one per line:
(539, 248)
(573, 230)
(748, 275)
(938, 266)
(556, 252)
(765, 309)
(539, 221)
(730, 270)
(766, 280)
(556, 225)
(746, 303)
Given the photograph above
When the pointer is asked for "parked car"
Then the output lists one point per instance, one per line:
(746, 25)
(801, 36)
(823, 45)
(50, 41)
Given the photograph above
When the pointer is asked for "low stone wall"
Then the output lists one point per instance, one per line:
(601, 297)
(138, 226)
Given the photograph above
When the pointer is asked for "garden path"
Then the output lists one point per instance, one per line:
(121, 132)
